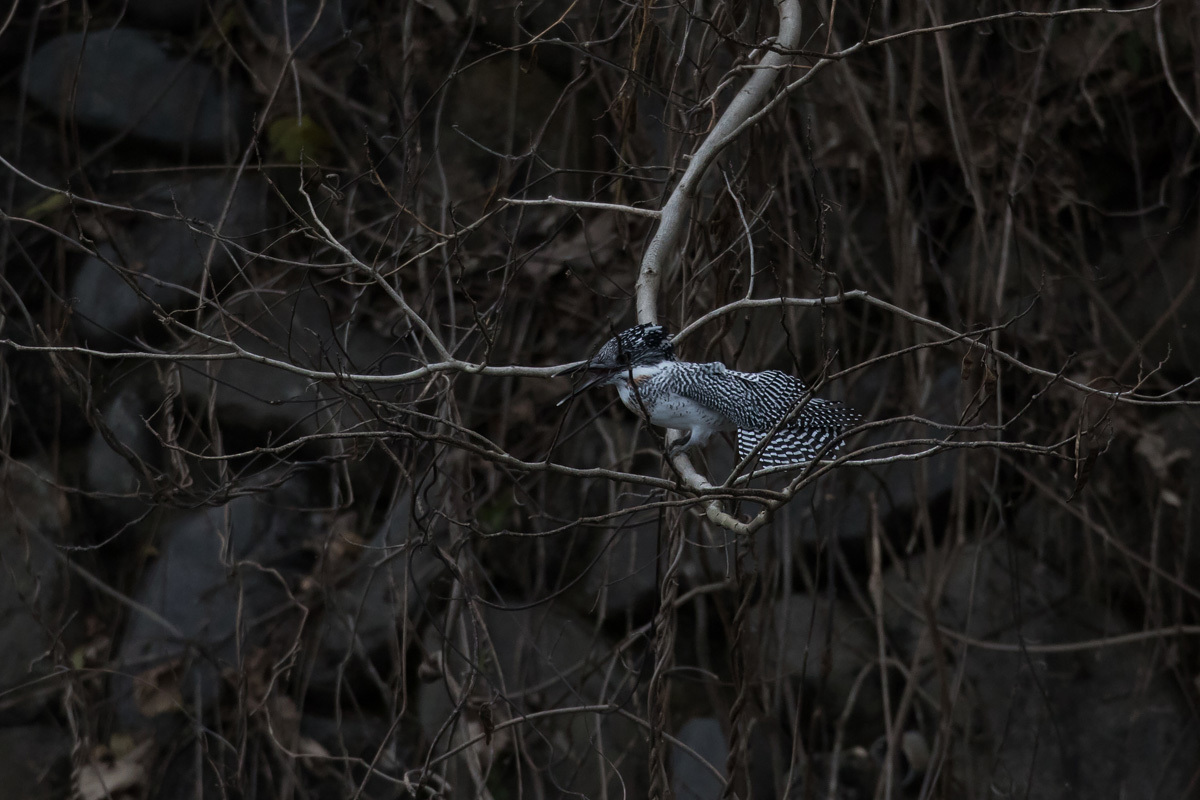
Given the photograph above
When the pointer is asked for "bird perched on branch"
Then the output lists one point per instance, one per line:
(701, 399)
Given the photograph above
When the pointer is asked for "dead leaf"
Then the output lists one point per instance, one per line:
(311, 748)
(1154, 449)
(285, 719)
(102, 779)
(157, 691)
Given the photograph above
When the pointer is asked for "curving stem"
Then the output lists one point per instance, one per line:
(675, 212)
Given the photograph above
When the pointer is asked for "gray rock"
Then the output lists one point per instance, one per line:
(23, 20)
(1144, 274)
(168, 15)
(199, 771)
(359, 739)
(842, 504)
(901, 488)
(1092, 722)
(520, 662)
(120, 479)
(494, 22)
(122, 80)
(159, 262)
(268, 401)
(45, 412)
(207, 597)
(824, 643)
(32, 516)
(271, 403)
(623, 574)
(106, 307)
(297, 21)
(35, 762)
(387, 587)
(690, 778)
(492, 109)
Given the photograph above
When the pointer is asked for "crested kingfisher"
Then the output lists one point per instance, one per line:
(701, 399)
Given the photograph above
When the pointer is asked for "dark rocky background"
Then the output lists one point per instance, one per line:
(239, 559)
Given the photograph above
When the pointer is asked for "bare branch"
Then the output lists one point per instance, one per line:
(676, 212)
(554, 201)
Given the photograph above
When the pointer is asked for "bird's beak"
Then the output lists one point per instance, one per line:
(586, 366)
(572, 369)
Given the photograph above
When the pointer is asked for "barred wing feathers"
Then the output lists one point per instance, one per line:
(756, 401)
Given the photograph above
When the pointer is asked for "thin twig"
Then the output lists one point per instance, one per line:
(555, 201)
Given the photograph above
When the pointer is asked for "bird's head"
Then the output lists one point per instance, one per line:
(639, 346)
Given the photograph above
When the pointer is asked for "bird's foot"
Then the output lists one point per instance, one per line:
(679, 445)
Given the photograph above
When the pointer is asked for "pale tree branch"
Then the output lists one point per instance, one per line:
(557, 201)
(1166, 62)
(676, 211)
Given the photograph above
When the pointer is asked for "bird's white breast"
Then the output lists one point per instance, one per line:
(641, 376)
(666, 407)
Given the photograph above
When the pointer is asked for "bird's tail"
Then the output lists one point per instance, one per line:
(796, 443)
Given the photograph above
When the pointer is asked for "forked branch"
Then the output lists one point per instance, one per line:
(675, 212)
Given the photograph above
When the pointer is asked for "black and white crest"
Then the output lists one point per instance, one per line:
(641, 345)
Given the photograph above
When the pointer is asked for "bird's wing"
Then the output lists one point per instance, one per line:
(757, 401)
(751, 400)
